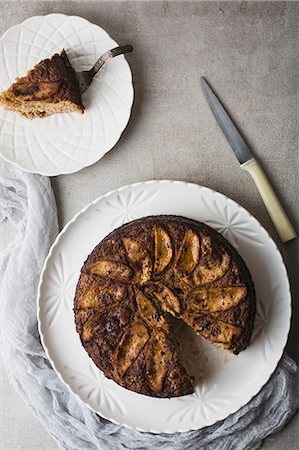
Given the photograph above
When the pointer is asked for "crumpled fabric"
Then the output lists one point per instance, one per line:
(27, 200)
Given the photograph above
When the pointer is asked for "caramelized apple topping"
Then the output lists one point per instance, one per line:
(148, 312)
(215, 330)
(89, 300)
(94, 298)
(134, 250)
(217, 299)
(212, 270)
(163, 250)
(129, 347)
(189, 253)
(111, 269)
(140, 260)
(158, 358)
(167, 299)
(137, 278)
(89, 329)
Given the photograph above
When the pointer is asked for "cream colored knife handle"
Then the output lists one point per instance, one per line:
(279, 218)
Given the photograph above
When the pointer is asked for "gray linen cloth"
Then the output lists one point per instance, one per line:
(27, 200)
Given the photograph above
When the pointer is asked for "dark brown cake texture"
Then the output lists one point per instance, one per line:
(50, 87)
(139, 276)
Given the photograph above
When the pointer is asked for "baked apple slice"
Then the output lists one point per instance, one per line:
(212, 265)
(163, 250)
(112, 270)
(148, 312)
(215, 330)
(94, 298)
(166, 298)
(129, 347)
(216, 299)
(189, 253)
(158, 358)
(139, 259)
(89, 327)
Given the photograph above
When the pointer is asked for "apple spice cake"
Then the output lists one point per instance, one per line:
(139, 276)
(50, 87)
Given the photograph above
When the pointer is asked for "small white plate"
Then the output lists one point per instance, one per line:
(225, 382)
(64, 143)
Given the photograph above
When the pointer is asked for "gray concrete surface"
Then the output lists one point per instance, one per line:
(248, 52)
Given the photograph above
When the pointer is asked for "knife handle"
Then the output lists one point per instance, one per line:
(278, 215)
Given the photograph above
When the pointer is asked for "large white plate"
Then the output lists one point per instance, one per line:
(225, 382)
(64, 143)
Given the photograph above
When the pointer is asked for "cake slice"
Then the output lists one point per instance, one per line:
(50, 87)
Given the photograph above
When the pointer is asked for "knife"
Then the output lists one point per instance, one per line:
(248, 162)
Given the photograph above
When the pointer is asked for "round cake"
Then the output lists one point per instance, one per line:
(143, 274)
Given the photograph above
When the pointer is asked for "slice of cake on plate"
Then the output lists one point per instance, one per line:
(50, 87)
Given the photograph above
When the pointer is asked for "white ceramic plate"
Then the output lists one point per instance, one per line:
(225, 382)
(64, 143)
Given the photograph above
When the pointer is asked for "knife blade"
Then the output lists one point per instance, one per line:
(230, 131)
(248, 162)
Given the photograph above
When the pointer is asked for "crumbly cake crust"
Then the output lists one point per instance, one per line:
(50, 87)
(146, 271)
